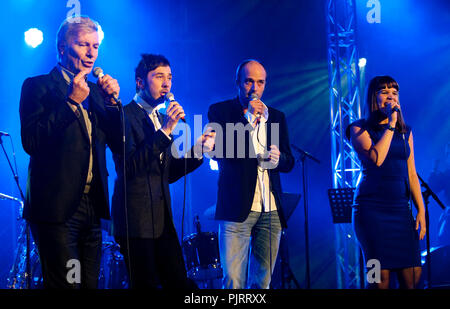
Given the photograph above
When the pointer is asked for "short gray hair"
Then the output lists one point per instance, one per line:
(71, 26)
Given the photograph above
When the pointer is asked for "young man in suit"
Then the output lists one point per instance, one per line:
(143, 224)
(66, 122)
(249, 188)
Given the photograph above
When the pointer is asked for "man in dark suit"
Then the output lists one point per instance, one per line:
(143, 223)
(249, 187)
(66, 122)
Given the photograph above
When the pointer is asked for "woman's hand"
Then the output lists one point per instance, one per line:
(420, 221)
(389, 111)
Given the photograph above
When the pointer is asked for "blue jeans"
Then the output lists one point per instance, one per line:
(256, 237)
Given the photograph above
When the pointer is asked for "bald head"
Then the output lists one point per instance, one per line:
(250, 78)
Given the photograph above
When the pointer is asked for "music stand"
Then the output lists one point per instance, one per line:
(341, 201)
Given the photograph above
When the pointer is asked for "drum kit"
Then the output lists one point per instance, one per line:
(202, 257)
(201, 253)
(113, 274)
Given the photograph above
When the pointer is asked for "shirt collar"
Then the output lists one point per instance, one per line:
(144, 104)
(66, 73)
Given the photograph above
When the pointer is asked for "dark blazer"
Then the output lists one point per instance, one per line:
(237, 176)
(58, 144)
(147, 185)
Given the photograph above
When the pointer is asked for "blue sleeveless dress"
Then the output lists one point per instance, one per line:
(382, 219)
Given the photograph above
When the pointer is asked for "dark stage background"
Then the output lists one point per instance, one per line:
(205, 41)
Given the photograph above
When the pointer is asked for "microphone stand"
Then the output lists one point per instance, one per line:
(27, 226)
(303, 156)
(426, 195)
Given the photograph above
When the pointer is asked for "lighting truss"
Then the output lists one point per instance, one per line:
(344, 80)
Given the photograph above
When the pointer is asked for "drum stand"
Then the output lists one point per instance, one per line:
(27, 226)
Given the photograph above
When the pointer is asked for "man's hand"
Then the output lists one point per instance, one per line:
(274, 154)
(205, 143)
(174, 113)
(270, 159)
(256, 107)
(79, 89)
(110, 87)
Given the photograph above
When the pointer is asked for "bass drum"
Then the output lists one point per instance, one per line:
(440, 268)
(201, 253)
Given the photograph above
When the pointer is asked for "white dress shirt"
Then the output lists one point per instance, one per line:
(263, 199)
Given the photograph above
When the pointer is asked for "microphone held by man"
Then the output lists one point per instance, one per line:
(169, 98)
(256, 106)
(109, 85)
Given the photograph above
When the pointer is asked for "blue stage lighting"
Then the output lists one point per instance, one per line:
(34, 37)
(213, 165)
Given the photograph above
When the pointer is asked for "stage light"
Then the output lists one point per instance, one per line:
(213, 165)
(362, 62)
(101, 34)
(34, 37)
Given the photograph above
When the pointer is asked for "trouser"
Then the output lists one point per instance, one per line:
(155, 263)
(258, 237)
(70, 252)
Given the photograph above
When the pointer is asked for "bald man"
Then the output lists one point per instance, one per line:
(249, 189)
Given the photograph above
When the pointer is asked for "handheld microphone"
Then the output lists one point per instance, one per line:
(3, 133)
(254, 97)
(169, 97)
(396, 109)
(98, 73)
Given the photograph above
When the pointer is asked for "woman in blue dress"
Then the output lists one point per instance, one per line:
(382, 216)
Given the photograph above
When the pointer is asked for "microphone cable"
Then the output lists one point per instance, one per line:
(258, 124)
(184, 184)
(169, 97)
(124, 171)
(98, 73)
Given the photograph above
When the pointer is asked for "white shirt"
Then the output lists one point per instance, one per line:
(263, 199)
